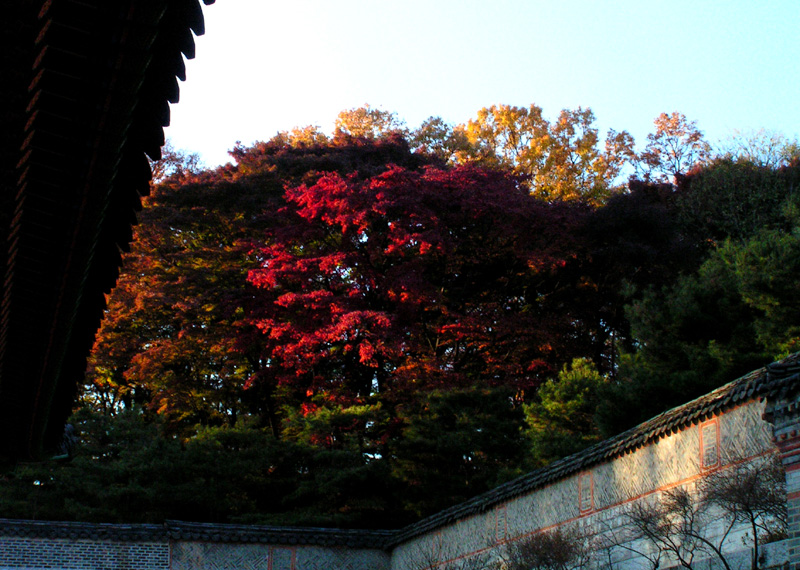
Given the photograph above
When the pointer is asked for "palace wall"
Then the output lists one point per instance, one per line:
(746, 423)
(598, 499)
(57, 553)
(39, 545)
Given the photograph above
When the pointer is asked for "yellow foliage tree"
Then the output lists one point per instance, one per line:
(562, 160)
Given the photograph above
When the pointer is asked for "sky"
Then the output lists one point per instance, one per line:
(265, 66)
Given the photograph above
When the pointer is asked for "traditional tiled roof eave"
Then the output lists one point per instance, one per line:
(288, 536)
(199, 532)
(88, 95)
(83, 531)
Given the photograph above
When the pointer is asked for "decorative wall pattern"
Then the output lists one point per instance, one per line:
(315, 558)
(598, 498)
(469, 535)
(544, 508)
(423, 552)
(674, 458)
(743, 432)
(206, 556)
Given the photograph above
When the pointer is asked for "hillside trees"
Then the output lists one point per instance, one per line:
(129, 470)
(735, 199)
(437, 137)
(412, 277)
(761, 147)
(389, 319)
(307, 136)
(561, 417)
(563, 158)
(673, 149)
(368, 122)
(472, 436)
(383, 283)
(735, 310)
(174, 162)
(378, 290)
(166, 344)
(560, 159)
(378, 296)
(172, 342)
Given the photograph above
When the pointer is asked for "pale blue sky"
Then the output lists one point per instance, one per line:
(265, 65)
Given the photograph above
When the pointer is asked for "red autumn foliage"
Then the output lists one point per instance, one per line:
(413, 280)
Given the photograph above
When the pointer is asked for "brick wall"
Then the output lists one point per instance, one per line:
(49, 554)
(216, 556)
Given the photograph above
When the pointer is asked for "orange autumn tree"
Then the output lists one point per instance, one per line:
(174, 342)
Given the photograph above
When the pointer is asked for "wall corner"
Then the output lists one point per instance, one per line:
(782, 410)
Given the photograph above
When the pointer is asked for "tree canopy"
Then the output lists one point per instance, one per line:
(377, 324)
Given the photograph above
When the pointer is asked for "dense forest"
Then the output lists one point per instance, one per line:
(361, 329)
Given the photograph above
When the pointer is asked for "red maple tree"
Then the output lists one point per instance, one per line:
(412, 280)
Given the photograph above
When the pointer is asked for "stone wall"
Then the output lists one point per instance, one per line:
(598, 498)
(33, 545)
(215, 556)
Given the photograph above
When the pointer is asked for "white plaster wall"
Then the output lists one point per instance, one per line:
(743, 432)
(642, 475)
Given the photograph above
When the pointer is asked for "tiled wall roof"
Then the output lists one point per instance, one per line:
(198, 532)
(83, 531)
(279, 535)
(775, 379)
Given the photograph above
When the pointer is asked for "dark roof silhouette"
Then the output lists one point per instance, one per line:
(84, 97)
(84, 531)
(198, 532)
